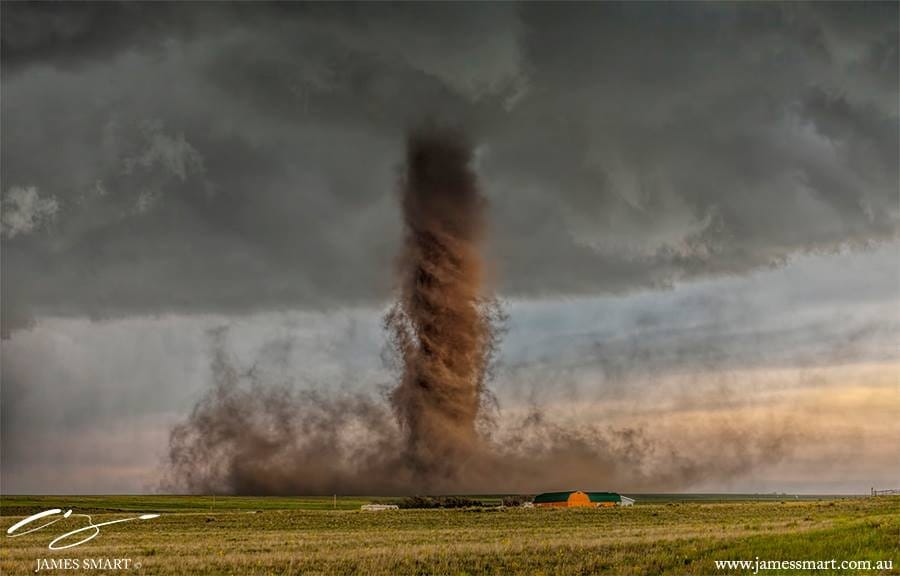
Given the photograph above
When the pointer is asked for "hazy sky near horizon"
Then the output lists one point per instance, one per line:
(693, 219)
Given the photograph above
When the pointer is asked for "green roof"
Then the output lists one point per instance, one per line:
(563, 496)
(604, 497)
(552, 497)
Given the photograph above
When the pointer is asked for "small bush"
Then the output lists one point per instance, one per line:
(515, 500)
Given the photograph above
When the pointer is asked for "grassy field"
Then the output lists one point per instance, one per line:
(245, 535)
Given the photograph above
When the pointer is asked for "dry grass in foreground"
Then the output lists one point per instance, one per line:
(285, 536)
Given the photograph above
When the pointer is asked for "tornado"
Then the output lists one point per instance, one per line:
(436, 432)
(441, 324)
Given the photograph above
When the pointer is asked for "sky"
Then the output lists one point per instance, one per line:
(693, 222)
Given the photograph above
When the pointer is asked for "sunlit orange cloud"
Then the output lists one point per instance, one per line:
(830, 429)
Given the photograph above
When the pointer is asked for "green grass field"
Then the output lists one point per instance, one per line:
(660, 535)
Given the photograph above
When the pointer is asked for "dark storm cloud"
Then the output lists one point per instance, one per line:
(232, 157)
(72, 34)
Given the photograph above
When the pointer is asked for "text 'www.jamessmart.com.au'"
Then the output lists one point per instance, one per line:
(756, 566)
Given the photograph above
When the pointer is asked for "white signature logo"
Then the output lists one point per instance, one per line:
(11, 532)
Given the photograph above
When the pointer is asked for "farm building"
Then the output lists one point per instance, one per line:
(577, 498)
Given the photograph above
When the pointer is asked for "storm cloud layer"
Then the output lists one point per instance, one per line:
(692, 223)
(168, 158)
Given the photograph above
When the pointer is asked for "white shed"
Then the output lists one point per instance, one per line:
(378, 507)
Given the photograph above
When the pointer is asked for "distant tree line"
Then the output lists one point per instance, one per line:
(439, 502)
(456, 502)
